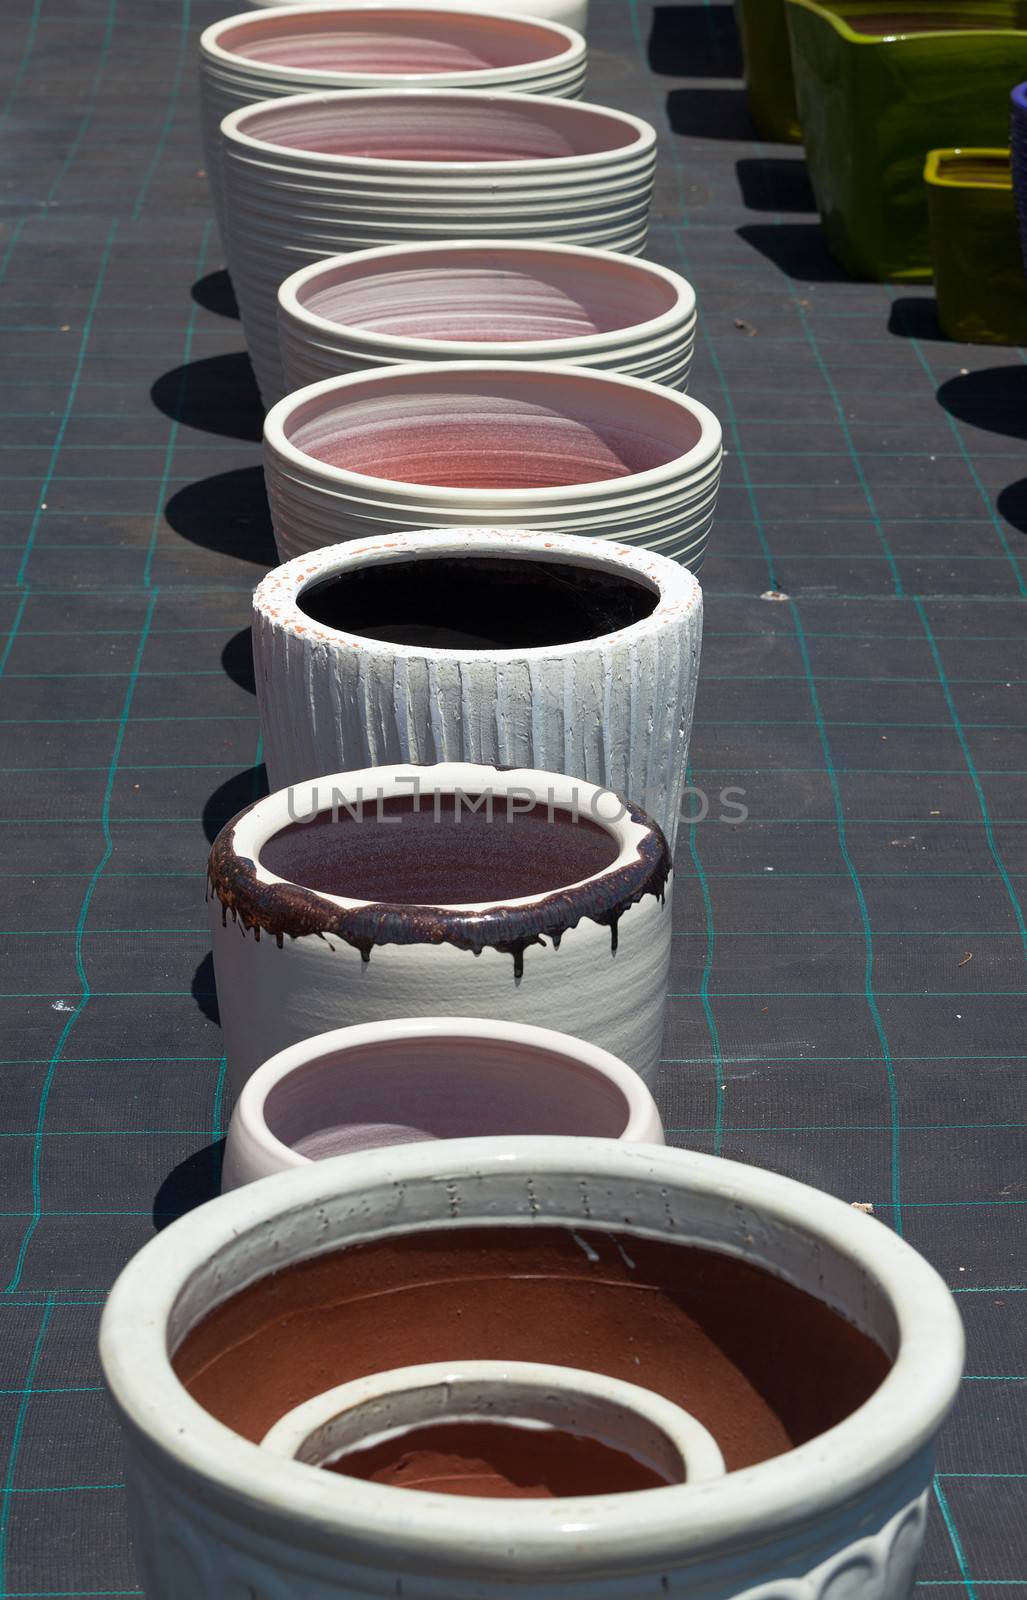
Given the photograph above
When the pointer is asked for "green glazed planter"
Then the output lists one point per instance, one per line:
(769, 85)
(871, 107)
(979, 277)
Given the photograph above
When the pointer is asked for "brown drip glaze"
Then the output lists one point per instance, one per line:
(762, 1364)
(286, 909)
(498, 1461)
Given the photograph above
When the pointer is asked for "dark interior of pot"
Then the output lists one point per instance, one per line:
(495, 429)
(405, 1090)
(498, 1461)
(886, 20)
(440, 850)
(479, 602)
(395, 42)
(478, 127)
(490, 295)
(977, 169)
(763, 1365)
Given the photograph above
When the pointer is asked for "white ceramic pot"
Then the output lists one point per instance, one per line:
(370, 1413)
(504, 646)
(376, 44)
(513, 910)
(642, 1237)
(486, 302)
(311, 176)
(572, 13)
(560, 448)
(423, 1078)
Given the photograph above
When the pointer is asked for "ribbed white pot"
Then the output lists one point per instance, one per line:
(486, 302)
(384, 1083)
(311, 176)
(502, 646)
(586, 955)
(215, 1515)
(376, 44)
(561, 448)
(572, 13)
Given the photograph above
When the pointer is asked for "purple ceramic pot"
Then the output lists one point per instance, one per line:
(1018, 150)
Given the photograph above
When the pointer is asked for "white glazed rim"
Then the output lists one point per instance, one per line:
(682, 467)
(681, 311)
(881, 1435)
(233, 131)
(572, 44)
(677, 590)
(255, 826)
(639, 1105)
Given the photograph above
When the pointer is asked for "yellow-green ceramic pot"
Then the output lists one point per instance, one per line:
(979, 279)
(769, 85)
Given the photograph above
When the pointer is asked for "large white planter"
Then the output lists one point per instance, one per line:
(384, 1083)
(215, 1515)
(504, 646)
(572, 13)
(376, 44)
(311, 176)
(561, 448)
(586, 952)
(486, 302)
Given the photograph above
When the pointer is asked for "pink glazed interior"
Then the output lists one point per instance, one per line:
(440, 127)
(489, 295)
(500, 430)
(397, 42)
(403, 1091)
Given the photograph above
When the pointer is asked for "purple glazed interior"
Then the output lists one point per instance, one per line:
(489, 295)
(1019, 98)
(479, 127)
(401, 1091)
(397, 42)
(529, 429)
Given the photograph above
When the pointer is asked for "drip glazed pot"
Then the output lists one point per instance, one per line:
(979, 279)
(486, 302)
(494, 645)
(454, 890)
(559, 448)
(572, 13)
(556, 1432)
(309, 176)
(879, 84)
(426, 1078)
(1018, 141)
(769, 82)
(818, 1349)
(382, 44)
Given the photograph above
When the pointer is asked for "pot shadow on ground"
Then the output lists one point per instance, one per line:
(215, 293)
(695, 42)
(797, 249)
(216, 394)
(237, 660)
(1012, 505)
(233, 796)
(192, 1183)
(915, 317)
(227, 514)
(994, 398)
(203, 990)
(775, 183)
(710, 113)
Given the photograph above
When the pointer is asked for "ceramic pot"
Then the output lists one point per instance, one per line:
(1018, 142)
(311, 176)
(819, 1350)
(296, 49)
(560, 448)
(453, 890)
(769, 82)
(482, 644)
(873, 102)
(362, 1088)
(539, 1432)
(975, 243)
(486, 302)
(572, 13)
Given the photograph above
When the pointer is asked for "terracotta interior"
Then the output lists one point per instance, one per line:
(402, 1091)
(397, 42)
(438, 851)
(489, 295)
(494, 430)
(498, 1461)
(446, 128)
(761, 1364)
(478, 602)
